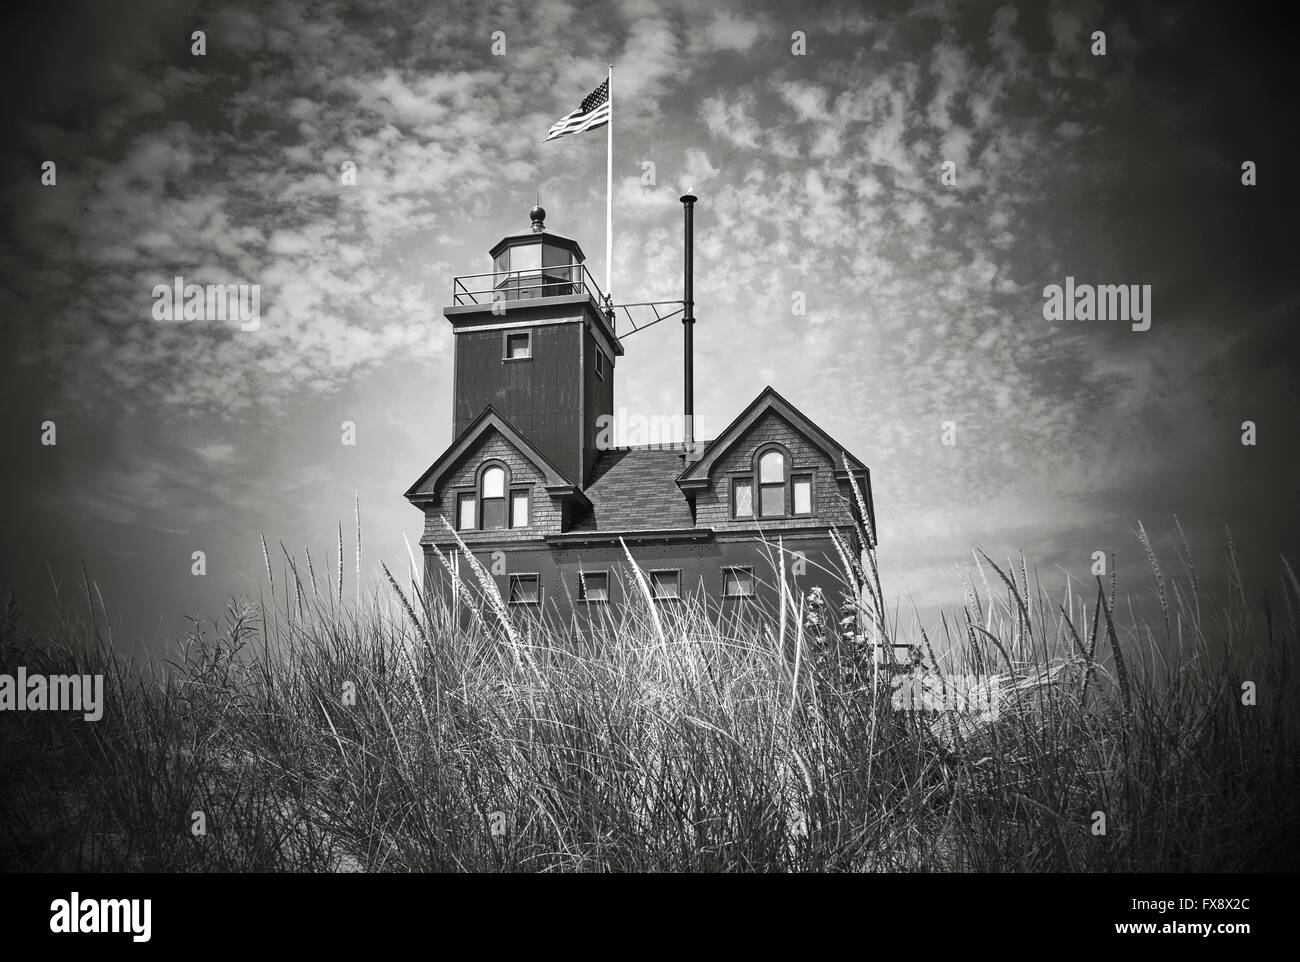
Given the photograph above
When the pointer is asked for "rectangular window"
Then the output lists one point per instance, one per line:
(803, 494)
(773, 500)
(600, 364)
(524, 590)
(465, 511)
(742, 498)
(519, 345)
(494, 513)
(665, 584)
(526, 257)
(553, 257)
(519, 509)
(593, 586)
(737, 582)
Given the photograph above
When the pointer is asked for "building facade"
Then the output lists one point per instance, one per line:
(531, 486)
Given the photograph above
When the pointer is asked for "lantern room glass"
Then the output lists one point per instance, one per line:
(536, 269)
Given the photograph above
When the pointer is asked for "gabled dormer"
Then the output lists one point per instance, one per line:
(493, 483)
(773, 467)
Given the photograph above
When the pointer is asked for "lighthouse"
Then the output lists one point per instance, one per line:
(533, 487)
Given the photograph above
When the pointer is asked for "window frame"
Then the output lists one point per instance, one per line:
(742, 479)
(582, 586)
(471, 494)
(525, 251)
(760, 486)
(650, 582)
(513, 493)
(510, 583)
(753, 589)
(601, 364)
(812, 494)
(505, 344)
(792, 471)
(481, 515)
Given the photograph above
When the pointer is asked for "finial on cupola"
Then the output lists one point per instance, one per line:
(538, 217)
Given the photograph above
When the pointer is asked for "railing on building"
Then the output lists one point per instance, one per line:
(564, 280)
(559, 281)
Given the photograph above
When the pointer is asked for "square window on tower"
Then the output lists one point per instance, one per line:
(519, 345)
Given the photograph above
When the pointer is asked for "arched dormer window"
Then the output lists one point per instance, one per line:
(494, 503)
(492, 497)
(775, 489)
(771, 483)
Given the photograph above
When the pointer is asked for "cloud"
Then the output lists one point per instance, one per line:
(731, 119)
(727, 31)
(217, 452)
(807, 100)
(817, 175)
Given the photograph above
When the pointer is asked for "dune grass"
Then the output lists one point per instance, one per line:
(376, 733)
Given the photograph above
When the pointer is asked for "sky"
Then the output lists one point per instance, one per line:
(815, 136)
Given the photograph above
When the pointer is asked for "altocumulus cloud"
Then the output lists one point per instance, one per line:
(819, 175)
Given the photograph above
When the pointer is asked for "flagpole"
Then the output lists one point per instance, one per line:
(609, 187)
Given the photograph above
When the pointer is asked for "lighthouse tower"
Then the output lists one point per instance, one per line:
(534, 341)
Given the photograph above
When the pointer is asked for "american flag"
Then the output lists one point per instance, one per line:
(593, 113)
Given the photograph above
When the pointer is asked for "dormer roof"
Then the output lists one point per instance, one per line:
(768, 400)
(556, 482)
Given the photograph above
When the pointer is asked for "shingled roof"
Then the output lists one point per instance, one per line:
(635, 489)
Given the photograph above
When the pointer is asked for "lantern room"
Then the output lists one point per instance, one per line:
(536, 264)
